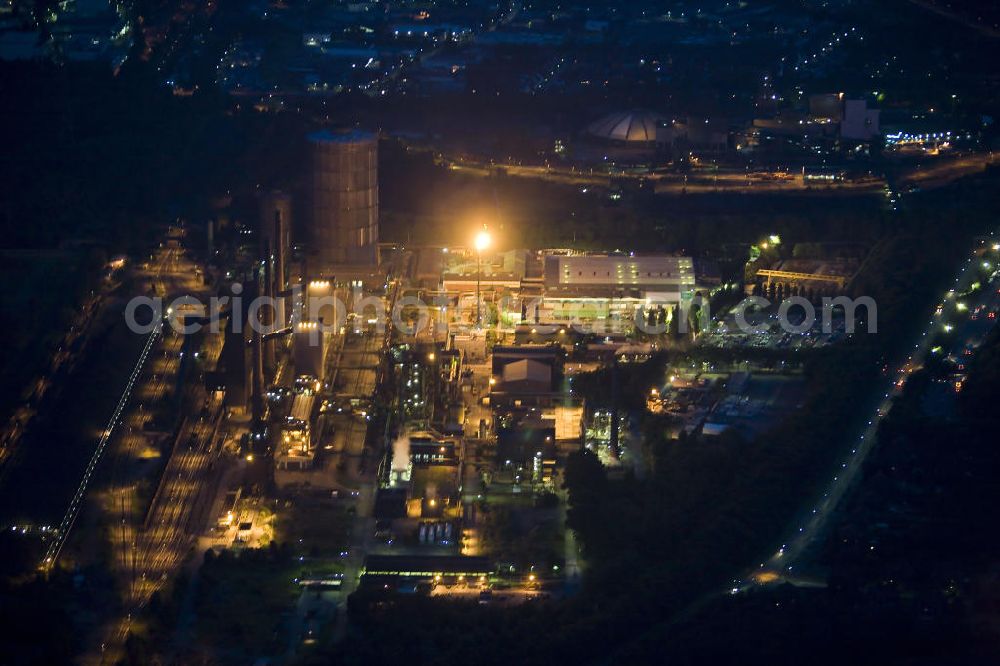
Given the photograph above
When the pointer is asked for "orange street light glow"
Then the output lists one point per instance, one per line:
(483, 240)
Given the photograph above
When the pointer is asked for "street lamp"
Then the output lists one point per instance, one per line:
(482, 242)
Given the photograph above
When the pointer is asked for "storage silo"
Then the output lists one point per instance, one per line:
(344, 224)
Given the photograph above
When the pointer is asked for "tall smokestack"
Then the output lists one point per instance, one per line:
(267, 313)
(280, 248)
(275, 227)
(257, 400)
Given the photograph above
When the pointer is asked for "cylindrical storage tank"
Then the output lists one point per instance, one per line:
(344, 225)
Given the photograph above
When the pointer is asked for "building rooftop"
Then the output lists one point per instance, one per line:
(637, 125)
(341, 136)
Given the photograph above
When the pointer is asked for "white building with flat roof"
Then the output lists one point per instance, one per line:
(659, 278)
(584, 288)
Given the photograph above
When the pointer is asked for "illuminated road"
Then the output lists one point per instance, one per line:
(167, 261)
(941, 172)
(69, 518)
(170, 525)
(781, 565)
(937, 174)
(149, 545)
(358, 375)
(383, 84)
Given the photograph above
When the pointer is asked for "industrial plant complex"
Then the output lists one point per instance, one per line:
(499, 333)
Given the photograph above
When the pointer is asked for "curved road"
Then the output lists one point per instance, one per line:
(780, 566)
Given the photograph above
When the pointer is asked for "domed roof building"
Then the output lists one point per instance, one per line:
(635, 126)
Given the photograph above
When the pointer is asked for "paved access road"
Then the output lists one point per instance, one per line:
(969, 323)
